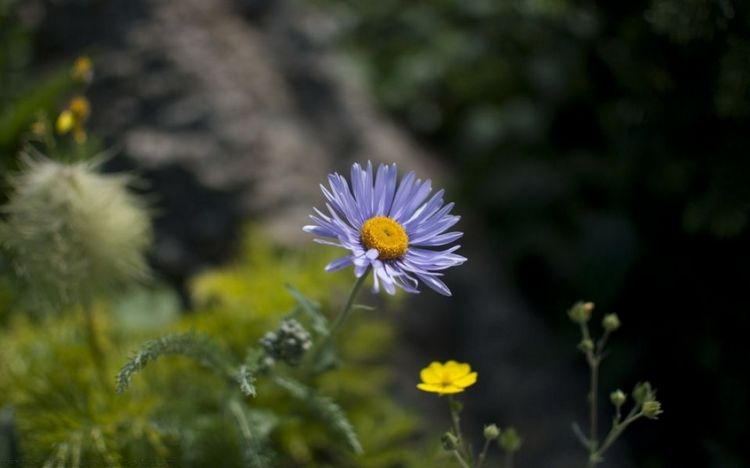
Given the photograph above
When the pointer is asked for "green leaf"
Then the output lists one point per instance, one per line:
(246, 380)
(253, 450)
(17, 117)
(201, 348)
(325, 408)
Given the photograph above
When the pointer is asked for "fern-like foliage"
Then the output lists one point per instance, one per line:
(199, 347)
(325, 408)
(253, 450)
(246, 380)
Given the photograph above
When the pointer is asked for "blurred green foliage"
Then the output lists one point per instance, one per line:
(25, 92)
(176, 413)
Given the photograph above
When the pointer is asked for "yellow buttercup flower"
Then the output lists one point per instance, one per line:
(83, 69)
(443, 379)
(74, 117)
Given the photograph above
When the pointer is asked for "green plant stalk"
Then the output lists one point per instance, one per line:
(236, 409)
(460, 459)
(456, 419)
(593, 359)
(344, 313)
(593, 401)
(346, 310)
(617, 429)
(483, 455)
(94, 344)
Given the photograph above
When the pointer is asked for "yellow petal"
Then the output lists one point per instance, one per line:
(466, 381)
(65, 122)
(455, 370)
(451, 389)
(439, 389)
(432, 374)
(430, 387)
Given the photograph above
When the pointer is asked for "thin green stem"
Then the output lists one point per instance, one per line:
(247, 434)
(460, 459)
(483, 455)
(602, 342)
(346, 310)
(593, 358)
(593, 401)
(616, 430)
(94, 344)
(455, 408)
(327, 344)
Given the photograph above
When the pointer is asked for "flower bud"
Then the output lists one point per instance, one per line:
(581, 312)
(586, 345)
(611, 322)
(618, 398)
(289, 343)
(643, 392)
(510, 441)
(491, 432)
(449, 441)
(652, 409)
(83, 70)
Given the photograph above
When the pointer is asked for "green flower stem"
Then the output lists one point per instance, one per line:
(593, 358)
(617, 429)
(460, 459)
(483, 455)
(94, 343)
(327, 344)
(346, 310)
(455, 407)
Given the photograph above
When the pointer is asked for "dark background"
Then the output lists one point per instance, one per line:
(605, 145)
(599, 148)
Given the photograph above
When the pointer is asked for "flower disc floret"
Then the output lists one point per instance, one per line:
(450, 377)
(386, 236)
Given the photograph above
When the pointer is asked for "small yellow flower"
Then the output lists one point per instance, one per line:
(83, 69)
(65, 122)
(74, 117)
(80, 107)
(451, 377)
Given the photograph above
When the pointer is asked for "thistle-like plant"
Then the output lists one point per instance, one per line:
(73, 233)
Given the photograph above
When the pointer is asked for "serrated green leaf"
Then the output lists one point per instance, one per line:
(201, 348)
(325, 408)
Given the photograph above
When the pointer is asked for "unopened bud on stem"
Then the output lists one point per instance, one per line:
(581, 312)
(611, 322)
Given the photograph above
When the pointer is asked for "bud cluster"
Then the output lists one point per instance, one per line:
(288, 343)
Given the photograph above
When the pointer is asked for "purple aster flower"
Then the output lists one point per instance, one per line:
(390, 227)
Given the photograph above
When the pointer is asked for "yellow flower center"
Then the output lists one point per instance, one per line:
(386, 236)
